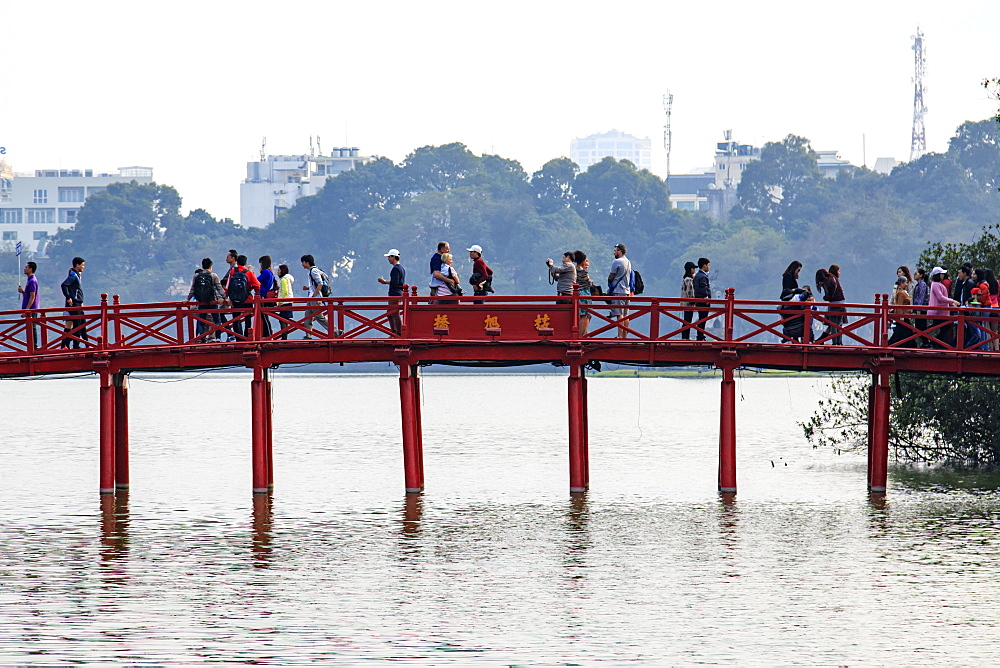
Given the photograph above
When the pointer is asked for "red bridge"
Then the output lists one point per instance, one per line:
(115, 339)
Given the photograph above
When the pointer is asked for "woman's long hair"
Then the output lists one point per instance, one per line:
(792, 269)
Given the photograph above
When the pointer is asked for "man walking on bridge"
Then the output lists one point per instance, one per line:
(319, 286)
(72, 289)
(703, 290)
(620, 283)
(241, 283)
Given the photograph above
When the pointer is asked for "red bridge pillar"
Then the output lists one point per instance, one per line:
(727, 433)
(260, 412)
(579, 464)
(409, 409)
(878, 448)
(107, 420)
(120, 383)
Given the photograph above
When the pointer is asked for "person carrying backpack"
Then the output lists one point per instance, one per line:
(241, 284)
(206, 289)
(319, 286)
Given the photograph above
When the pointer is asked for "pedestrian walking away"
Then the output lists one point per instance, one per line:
(75, 334)
(206, 289)
(285, 295)
(240, 287)
(482, 276)
(397, 287)
(268, 291)
(29, 296)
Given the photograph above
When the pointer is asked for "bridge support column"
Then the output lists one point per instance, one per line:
(579, 465)
(727, 433)
(260, 409)
(409, 409)
(120, 383)
(269, 431)
(107, 420)
(878, 451)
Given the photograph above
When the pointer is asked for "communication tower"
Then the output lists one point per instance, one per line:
(668, 103)
(918, 142)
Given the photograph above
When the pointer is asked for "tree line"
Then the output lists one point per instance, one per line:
(138, 243)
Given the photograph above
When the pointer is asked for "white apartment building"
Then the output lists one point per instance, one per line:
(618, 145)
(34, 206)
(275, 182)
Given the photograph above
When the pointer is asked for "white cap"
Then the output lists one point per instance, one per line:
(475, 247)
(392, 251)
(937, 270)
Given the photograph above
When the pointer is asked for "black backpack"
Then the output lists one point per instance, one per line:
(637, 285)
(239, 286)
(204, 287)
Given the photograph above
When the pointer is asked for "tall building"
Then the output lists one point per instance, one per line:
(34, 206)
(618, 145)
(731, 158)
(275, 182)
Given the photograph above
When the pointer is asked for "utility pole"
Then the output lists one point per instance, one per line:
(668, 103)
(918, 141)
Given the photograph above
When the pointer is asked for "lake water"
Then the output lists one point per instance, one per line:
(495, 563)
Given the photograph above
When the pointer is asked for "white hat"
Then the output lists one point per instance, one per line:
(475, 247)
(937, 270)
(392, 251)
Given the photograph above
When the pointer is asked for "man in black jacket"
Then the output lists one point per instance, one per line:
(963, 286)
(703, 290)
(72, 289)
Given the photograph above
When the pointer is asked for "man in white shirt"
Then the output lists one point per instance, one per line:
(620, 283)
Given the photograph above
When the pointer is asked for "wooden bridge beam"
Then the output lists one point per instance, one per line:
(120, 384)
(409, 410)
(260, 411)
(107, 438)
(579, 467)
(727, 432)
(878, 447)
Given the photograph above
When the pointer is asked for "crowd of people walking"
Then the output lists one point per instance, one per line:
(922, 301)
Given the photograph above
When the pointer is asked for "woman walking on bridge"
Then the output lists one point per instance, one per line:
(828, 280)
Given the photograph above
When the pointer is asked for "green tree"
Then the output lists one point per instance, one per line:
(552, 185)
(774, 188)
(976, 147)
(617, 200)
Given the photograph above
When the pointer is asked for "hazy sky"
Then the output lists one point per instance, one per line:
(190, 88)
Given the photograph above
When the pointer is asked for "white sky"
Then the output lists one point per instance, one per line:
(190, 88)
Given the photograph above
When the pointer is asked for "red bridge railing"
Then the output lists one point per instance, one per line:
(661, 320)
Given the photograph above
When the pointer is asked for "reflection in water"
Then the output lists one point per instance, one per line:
(729, 515)
(413, 511)
(578, 539)
(263, 517)
(114, 537)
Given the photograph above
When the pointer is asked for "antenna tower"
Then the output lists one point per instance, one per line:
(918, 142)
(668, 103)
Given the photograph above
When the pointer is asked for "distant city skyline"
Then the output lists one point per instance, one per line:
(194, 97)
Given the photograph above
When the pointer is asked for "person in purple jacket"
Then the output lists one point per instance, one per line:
(29, 294)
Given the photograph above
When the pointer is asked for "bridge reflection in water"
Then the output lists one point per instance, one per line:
(115, 339)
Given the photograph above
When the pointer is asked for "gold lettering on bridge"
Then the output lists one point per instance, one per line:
(492, 322)
(542, 321)
(441, 321)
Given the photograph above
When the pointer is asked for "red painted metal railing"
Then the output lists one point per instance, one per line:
(728, 322)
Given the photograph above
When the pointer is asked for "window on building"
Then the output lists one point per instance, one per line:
(38, 235)
(687, 206)
(41, 216)
(10, 216)
(68, 216)
(10, 236)
(40, 197)
(71, 194)
(606, 145)
(93, 190)
(625, 144)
